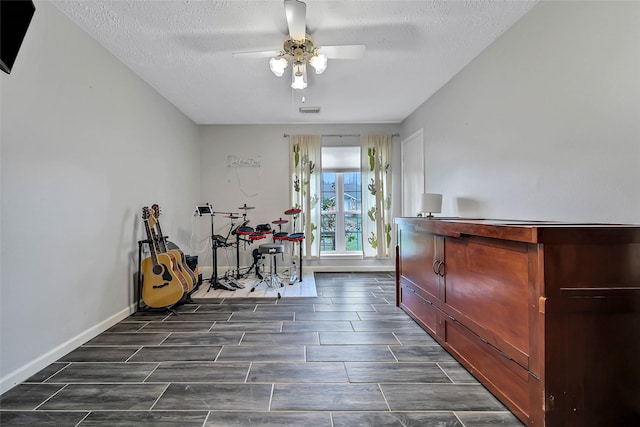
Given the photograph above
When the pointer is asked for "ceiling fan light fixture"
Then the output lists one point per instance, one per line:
(299, 75)
(319, 62)
(278, 65)
(299, 50)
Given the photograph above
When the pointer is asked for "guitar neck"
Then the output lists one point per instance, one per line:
(156, 242)
(152, 248)
(162, 243)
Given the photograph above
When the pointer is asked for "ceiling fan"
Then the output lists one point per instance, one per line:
(299, 49)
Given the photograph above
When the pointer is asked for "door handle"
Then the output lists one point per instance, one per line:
(436, 267)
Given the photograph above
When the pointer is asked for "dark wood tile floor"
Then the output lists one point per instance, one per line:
(348, 357)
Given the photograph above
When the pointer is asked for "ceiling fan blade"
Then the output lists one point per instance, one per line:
(353, 51)
(296, 12)
(258, 55)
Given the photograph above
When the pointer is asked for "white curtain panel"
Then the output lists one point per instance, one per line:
(305, 179)
(376, 196)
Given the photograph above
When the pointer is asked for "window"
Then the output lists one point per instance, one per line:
(341, 227)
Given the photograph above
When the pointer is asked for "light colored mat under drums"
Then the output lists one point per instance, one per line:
(304, 288)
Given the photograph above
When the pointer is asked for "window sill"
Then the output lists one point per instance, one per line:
(341, 256)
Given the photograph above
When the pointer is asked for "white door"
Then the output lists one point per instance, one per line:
(412, 154)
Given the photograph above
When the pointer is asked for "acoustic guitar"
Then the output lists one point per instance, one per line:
(181, 259)
(161, 287)
(161, 249)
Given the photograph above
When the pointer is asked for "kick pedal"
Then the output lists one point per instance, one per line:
(235, 284)
(226, 286)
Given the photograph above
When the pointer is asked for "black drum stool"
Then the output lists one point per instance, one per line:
(271, 280)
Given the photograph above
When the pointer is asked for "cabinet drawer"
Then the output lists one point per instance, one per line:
(421, 309)
(501, 375)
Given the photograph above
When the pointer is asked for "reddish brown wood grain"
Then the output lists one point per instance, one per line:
(546, 315)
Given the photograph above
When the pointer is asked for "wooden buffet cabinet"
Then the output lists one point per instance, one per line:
(545, 315)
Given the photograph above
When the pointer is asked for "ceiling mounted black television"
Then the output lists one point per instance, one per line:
(15, 16)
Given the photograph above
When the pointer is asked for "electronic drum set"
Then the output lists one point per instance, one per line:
(246, 236)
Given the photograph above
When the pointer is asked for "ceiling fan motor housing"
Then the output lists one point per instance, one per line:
(299, 51)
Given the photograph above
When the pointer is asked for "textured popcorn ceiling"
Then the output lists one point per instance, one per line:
(184, 50)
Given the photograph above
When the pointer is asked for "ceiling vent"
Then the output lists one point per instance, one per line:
(309, 110)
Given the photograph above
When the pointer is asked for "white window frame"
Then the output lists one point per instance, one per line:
(340, 212)
(339, 168)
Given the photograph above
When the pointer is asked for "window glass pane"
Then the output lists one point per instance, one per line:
(352, 192)
(328, 235)
(328, 191)
(353, 232)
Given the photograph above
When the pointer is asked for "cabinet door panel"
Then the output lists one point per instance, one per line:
(591, 363)
(417, 254)
(487, 282)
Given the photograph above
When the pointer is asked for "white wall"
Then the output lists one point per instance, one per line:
(267, 187)
(545, 123)
(85, 144)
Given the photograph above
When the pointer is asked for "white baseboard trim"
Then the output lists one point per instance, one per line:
(21, 374)
(338, 265)
(347, 269)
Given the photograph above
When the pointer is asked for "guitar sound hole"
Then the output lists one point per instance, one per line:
(158, 269)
